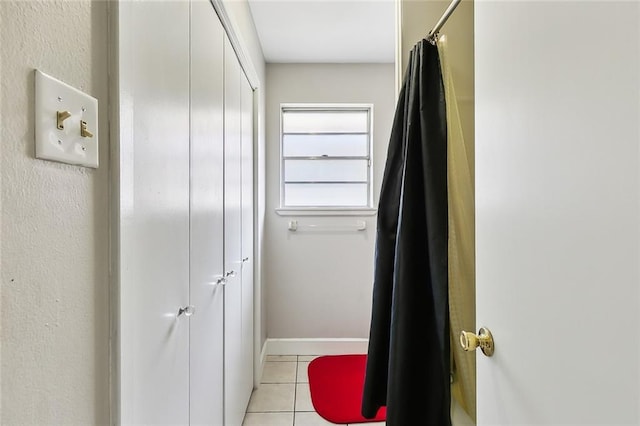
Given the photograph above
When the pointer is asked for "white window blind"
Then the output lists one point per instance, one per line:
(326, 156)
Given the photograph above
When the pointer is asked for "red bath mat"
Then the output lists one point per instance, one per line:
(336, 383)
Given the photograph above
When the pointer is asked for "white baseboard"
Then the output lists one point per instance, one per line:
(323, 346)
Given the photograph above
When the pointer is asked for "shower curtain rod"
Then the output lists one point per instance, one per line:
(433, 34)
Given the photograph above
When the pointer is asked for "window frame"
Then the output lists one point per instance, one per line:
(284, 210)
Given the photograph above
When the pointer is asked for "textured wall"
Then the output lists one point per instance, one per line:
(1, 269)
(320, 284)
(55, 305)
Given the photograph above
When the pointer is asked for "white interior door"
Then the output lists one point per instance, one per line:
(247, 238)
(235, 405)
(557, 167)
(153, 212)
(207, 190)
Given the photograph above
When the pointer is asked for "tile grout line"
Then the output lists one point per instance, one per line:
(295, 390)
(298, 359)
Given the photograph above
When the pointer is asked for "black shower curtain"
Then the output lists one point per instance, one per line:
(409, 348)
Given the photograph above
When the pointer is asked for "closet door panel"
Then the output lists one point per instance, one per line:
(247, 236)
(154, 212)
(207, 190)
(235, 404)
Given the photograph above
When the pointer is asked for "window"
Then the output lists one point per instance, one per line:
(326, 157)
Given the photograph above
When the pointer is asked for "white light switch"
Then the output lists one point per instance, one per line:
(66, 123)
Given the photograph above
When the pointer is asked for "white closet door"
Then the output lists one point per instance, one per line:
(235, 404)
(154, 212)
(247, 237)
(207, 186)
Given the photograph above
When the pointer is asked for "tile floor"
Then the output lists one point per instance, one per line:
(283, 398)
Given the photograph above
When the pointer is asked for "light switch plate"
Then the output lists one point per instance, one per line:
(70, 144)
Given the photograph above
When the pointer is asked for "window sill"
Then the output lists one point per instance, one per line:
(319, 211)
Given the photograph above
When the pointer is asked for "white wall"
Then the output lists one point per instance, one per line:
(1, 275)
(320, 284)
(55, 225)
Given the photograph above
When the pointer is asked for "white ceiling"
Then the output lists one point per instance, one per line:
(325, 31)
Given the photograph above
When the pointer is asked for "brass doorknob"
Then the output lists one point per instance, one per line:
(483, 339)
